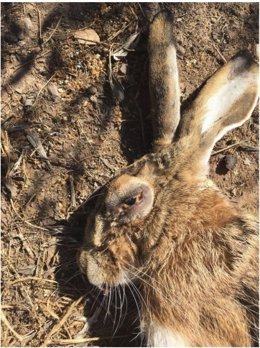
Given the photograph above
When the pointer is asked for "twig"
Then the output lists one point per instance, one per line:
(76, 340)
(39, 25)
(112, 37)
(31, 60)
(19, 337)
(225, 148)
(55, 29)
(57, 327)
(25, 221)
(249, 148)
(25, 244)
(220, 54)
(24, 279)
(40, 91)
(4, 320)
(72, 193)
(50, 311)
(16, 165)
(135, 15)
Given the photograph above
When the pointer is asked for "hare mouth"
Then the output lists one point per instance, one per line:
(106, 289)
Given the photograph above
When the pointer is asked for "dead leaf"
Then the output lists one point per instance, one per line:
(87, 36)
(35, 141)
(117, 89)
(11, 187)
(130, 43)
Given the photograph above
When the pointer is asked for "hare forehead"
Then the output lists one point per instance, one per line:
(120, 182)
(124, 181)
(123, 186)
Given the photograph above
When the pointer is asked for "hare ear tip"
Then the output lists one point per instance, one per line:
(245, 58)
(241, 62)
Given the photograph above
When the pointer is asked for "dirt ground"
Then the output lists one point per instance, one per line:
(65, 132)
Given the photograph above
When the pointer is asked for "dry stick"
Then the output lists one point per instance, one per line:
(24, 279)
(76, 340)
(17, 164)
(220, 54)
(6, 322)
(61, 322)
(226, 148)
(39, 25)
(83, 340)
(112, 37)
(40, 91)
(133, 12)
(249, 148)
(55, 29)
(25, 221)
(73, 203)
(31, 60)
(50, 311)
(25, 244)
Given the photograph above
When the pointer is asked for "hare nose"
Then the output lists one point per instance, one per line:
(106, 289)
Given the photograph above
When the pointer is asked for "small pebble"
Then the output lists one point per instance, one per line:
(52, 89)
(123, 68)
(181, 50)
(83, 35)
(21, 35)
(230, 161)
(11, 38)
(27, 25)
(92, 90)
(28, 102)
(213, 20)
(93, 98)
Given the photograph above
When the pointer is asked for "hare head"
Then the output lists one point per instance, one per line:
(166, 193)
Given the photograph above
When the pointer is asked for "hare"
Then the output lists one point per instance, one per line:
(163, 223)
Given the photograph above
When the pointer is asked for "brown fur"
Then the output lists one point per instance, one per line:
(197, 287)
(164, 87)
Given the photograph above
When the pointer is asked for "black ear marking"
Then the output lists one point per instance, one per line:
(241, 63)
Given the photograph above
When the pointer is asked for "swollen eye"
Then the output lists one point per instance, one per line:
(130, 201)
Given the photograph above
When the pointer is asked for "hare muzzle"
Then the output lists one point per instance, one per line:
(109, 265)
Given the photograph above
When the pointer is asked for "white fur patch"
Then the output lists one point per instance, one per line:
(159, 336)
(219, 103)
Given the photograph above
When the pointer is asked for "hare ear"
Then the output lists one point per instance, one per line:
(224, 103)
(163, 80)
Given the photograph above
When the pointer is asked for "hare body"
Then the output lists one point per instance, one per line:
(199, 272)
(165, 225)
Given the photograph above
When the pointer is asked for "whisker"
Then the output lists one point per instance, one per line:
(120, 310)
(158, 291)
(136, 302)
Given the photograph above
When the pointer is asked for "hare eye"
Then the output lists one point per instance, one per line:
(130, 201)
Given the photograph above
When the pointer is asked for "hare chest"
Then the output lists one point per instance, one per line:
(159, 336)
